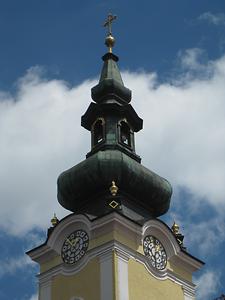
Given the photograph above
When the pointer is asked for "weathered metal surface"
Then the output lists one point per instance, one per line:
(85, 188)
(91, 179)
(110, 85)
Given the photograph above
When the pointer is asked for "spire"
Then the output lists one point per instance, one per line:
(110, 69)
(112, 177)
(110, 87)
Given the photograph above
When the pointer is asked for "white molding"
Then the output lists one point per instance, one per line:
(106, 276)
(44, 290)
(189, 292)
(186, 297)
(187, 262)
(94, 228)
(63, 229)
(158, 229)
(122, 266)
(104, 253)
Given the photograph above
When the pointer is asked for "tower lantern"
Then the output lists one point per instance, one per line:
(113, 246)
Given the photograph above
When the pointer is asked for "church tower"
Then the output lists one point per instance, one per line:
(113, 246)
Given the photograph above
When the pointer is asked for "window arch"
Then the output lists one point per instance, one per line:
(125, 133)
(98, 131)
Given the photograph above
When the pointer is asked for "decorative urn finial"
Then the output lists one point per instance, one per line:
(113, 189)
(179, 237)
(54, 220)
(175, 228)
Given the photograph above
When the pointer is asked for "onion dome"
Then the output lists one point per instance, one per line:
(112, 176)
(141, 193)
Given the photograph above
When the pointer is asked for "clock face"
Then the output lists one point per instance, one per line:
(74, 246)
(155, 251)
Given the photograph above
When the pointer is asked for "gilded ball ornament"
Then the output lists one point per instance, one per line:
(110, 41)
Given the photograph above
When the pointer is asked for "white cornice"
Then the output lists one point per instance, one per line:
(126, 228)
(105, 251)
(94, 229)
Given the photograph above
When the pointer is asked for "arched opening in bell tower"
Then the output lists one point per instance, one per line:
(98, 132)
(125, 135)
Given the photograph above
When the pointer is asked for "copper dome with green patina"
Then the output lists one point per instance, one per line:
(112, 121)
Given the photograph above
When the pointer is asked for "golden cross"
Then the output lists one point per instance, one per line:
(108, 22)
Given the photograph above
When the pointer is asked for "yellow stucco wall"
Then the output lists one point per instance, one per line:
(85, 284)
(114, 235)
(142, 285)
(50, 264)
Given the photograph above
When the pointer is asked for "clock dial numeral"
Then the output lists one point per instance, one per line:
(75, 246)
(155, 251)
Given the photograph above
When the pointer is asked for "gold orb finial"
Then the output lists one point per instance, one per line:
(175, 228)
(109, 40)
(54, 220)
(113, 189)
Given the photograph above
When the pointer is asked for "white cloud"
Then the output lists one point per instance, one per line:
(10, 266)
(193, 63)
(207, 284)
(183, 131)
(34, 297)
(189, 58)
(40, 136)
(204, 234)
(215, 19)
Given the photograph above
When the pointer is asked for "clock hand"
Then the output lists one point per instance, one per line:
(75, 241)
(69, 242)
(157, 248)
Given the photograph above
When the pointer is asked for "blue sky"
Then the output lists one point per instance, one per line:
(172, 57)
